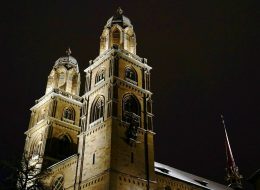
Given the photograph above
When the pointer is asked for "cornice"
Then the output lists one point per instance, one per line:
(135, 59)
(144, 91)
(52, 95)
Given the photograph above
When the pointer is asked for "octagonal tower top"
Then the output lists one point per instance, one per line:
(119, 32)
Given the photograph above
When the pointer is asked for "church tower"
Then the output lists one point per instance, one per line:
(116, 139)
(104, 140)
(53, 128)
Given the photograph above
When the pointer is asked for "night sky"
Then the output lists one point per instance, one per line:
(205, 63)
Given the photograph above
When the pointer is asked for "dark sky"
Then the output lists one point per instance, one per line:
(205, 63)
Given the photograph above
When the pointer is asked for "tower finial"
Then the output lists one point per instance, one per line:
(233, 177)
(68, 51)
(119, 11)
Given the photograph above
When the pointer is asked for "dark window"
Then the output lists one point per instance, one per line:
(69, 113)
(130, 74)
(132, 157)
(116, 37)
(64, 147)
(131, 104)
(97, 109)
(149, 106)
(131, 109)
(94, 157)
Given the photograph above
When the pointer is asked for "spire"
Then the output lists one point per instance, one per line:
(233, 177)
(68, 51)
(119, 11)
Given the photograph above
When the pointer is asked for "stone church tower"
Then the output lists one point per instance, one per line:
(104, 139)
(116, 139)
(54, 124)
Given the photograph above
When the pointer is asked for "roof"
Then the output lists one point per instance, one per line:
(187, 177)
(119, 19)
(62, 162)
(67, 61)
(254, 176)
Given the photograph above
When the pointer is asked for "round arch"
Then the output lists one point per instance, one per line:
(57, 182)
(131, 74)
(116, 35)
(131, 109)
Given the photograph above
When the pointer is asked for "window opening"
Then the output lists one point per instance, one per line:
(97, 110)
(130, 74)
(58, 183)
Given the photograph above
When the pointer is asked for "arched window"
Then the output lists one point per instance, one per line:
(100, 75)
(36, 147)
(64, 147)
(58, 183)
(131, 109)
(69, 113)
(61, 79)
(97, 110)
(130, 74)
(116, 37)
(36, 150)
(74, 89)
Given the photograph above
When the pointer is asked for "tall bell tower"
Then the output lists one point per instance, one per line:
(116, 146)
(54, 123)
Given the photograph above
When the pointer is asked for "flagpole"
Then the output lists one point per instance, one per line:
(233, 177)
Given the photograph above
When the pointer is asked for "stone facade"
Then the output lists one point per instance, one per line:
(103, 139)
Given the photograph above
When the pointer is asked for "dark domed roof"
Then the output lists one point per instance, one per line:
(119, 19)
(68, 61)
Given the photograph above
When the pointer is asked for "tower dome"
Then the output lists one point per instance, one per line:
(119, 19)
(67, 61)
(119, 32)
(65, 75)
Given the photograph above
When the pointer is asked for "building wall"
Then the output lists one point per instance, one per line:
(67, 169)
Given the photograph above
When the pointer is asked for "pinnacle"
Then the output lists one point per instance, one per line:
(119, 11)
(68, 51)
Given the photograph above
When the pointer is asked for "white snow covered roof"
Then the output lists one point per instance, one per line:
(189, 178)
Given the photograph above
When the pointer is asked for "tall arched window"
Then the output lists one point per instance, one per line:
(130, 75)
(36, 150)
(64, 148)
(131, 109)
(58, 183)
(116, 37)
(97, 110)
(69, 113)
(36, 147)
(100, 75)
(61, 79)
